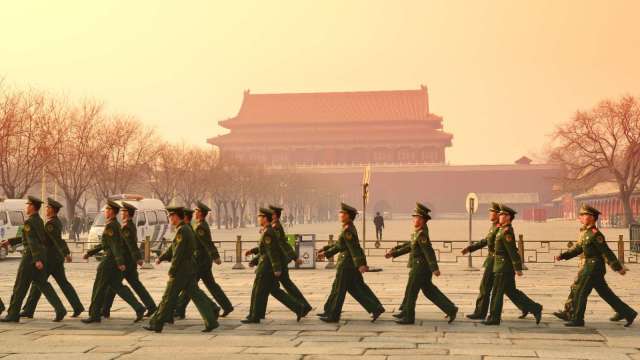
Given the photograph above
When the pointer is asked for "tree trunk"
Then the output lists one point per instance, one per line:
(218, 211)
(243, 206)
(625, 198)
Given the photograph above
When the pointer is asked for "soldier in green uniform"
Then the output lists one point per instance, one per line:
(206, 255)
(352, 263)
(507, 263)
(269, 269)
(33, 265)
(182, 277)
(111, 268)
(57, 253)
(483, 299)
(596, 252)
(424, 266)
(133, 259)
(289, 255)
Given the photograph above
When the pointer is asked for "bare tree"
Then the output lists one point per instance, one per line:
(604, 140)
(70, 164)
(26, 140)
(165, 172)
(127, 148)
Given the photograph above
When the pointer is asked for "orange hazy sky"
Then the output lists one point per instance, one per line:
(501, 73)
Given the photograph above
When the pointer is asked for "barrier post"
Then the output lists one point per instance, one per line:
(330, 263)
(238, 265)
(147, 253)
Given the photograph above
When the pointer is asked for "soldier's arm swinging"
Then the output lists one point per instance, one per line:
(427, 249)
(604, 249)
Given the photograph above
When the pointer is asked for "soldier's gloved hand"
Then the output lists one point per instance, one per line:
(252, 264)
(68, 258)
(248, 253)
(85, 256)
(299, 261)
(140, 262)
(277, 273)
(158, 261)
(39, 265)
(388, 255)
(436, 273)
(465, 251)
(122, 267)
(519, 273)
(622, 271)
(557, 257)
(363, 269)
(218, 261)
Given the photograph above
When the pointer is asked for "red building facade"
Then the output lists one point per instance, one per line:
(336, 128)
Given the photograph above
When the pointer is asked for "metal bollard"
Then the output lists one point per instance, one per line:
(521, 250)
(621, 249)
(147, 253)
(238, 265)
(330, 264)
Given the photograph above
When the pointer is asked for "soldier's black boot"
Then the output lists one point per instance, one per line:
(9, 319)
(523, 315)
(474, 316)
(250, 321)
(405, 321)
(322, 314)
(616, 317)
(575, 323)
(211, 327)
(149, 328)
(452, 316)
(140, 314)
(562, 315)
(77, 313)
(60, 316)
(1, 307)
(25, 314)
(538, 315)
(90, 320)
(329, 319)
(376, 314)
(630, 319)
(227, 312)
(150, 312)
(491, 322)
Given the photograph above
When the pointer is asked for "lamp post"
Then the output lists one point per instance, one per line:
(366, 178)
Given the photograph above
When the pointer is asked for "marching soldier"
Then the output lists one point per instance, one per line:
(268, 271)
(206, 255)
(289, 255)
(424, 266)
(182, 277)
(57, 253)
(591, 276)
(482, 302)
(507, 263)
(349, 269)
(32, 268)
(111, 268)
(133, 259)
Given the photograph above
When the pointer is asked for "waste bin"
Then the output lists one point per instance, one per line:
(305, 247)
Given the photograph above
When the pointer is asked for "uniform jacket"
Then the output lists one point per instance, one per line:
(111, 243)
(507, 259)
(181, 252)
(420, 249)
(593, 246)
(130, 236)
(348, 245)
(488, 241)
(206, 250)
(57, 248)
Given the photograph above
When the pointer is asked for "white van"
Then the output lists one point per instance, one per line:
(11, 221)
(151, 218)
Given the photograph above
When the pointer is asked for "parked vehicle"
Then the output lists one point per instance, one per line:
(11, 221)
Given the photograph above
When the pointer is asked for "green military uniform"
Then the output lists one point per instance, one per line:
(182, 277)
(348, 277)
(506, 262)
(424, 264)
(132, 256)
(596, 251)
(33, 238)
(266, 283)
(108, 276)
(57, 250)
(289, 254)
(206, 254)
(484, 297)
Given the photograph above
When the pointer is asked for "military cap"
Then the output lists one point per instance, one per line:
(504, 209)
(276, 209)
(188, 212)
(344, 208)
(422, 211)
(129, 207)
(54, 204)
(202, 207)
(34, 200)
(495, 207)
(177, 210)
(589, 210)
(113, 206)
(265, 212)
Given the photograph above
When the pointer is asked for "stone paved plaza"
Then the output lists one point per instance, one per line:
(280, 337)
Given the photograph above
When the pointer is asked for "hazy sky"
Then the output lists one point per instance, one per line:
(501, 73)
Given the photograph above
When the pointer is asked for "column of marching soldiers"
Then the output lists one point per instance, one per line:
(192, 254)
